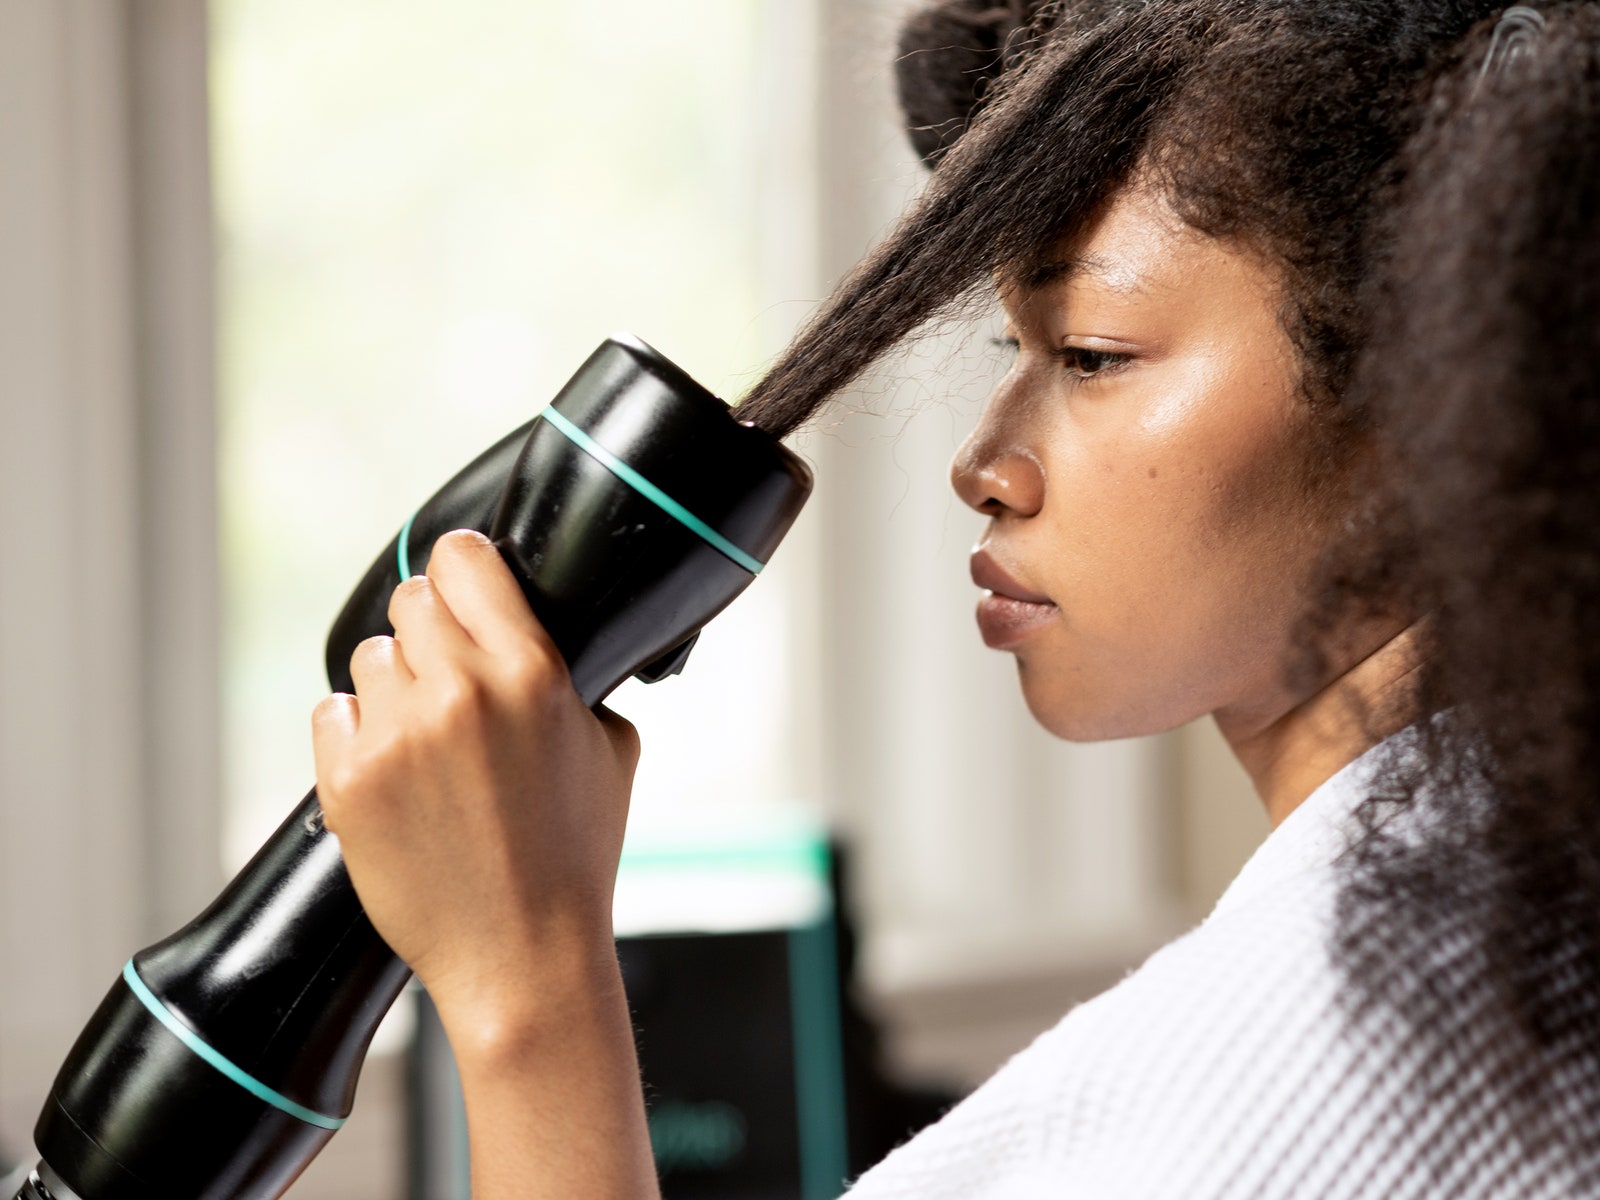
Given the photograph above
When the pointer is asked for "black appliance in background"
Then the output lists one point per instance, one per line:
(761, 1075)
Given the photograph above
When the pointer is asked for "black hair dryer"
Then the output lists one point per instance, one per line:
(632, 510)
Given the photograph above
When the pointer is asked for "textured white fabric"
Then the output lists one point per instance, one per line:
(1222, 1067)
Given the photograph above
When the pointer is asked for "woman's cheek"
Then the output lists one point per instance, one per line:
(1146, 571)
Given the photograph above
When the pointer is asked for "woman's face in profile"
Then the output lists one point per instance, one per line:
(1144, 466)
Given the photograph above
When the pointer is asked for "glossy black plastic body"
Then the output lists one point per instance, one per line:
(283, 974)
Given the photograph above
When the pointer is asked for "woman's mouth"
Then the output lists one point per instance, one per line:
(1009, 612)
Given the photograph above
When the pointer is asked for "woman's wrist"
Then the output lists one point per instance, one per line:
(555, 1107)
(504, 1016)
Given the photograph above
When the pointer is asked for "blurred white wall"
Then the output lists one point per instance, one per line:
(108, 555)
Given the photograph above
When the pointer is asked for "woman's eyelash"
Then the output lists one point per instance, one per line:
(1086, 363)
(1080, 360)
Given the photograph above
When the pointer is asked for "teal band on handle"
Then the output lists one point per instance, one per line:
(192, 1040)
(650, 491)
(404, 552)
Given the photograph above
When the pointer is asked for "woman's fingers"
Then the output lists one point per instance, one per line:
(479, 803)
(378, 669)
(477, 585)
(431, 639)
(334, 725)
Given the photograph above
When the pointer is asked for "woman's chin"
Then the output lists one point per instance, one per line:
(1076, 707)
(1071, 709)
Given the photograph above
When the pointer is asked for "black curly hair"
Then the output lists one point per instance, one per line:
(1481, 382)
(1434, 209)
(1269, 121)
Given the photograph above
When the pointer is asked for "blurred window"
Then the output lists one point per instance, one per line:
(430, 212)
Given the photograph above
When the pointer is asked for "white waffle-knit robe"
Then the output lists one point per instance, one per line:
(1223, 1067)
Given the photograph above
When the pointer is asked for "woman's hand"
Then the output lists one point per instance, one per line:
(480, 808)
(480, 805)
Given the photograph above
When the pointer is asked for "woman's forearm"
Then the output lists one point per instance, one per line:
(554, 1103)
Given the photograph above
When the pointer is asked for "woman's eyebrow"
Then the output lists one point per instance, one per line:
(1111, 274)
(1058, 270)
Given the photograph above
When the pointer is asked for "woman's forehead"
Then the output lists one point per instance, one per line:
(1121, 247)
(1135, 246)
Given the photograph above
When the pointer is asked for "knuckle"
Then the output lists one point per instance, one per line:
(534, 670)
(457, 545)
(337, 786)
(410, 589)
(407, 594)
(371, 650)
(459, 699)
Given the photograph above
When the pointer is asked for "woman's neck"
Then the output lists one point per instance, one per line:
(1289, 757)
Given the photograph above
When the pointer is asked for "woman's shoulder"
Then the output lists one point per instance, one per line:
(1166, 1076)
(1220, 1065)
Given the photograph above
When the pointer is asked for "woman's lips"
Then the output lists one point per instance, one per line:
(1005, 622)
(1009, 612)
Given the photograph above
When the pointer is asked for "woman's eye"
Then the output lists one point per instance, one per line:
(1080, 360)
(1086, 363)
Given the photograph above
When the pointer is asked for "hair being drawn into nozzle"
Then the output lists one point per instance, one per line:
(985, 207)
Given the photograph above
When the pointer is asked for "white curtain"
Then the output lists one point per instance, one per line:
(108, 595)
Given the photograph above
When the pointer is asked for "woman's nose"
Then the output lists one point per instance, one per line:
(995, 478)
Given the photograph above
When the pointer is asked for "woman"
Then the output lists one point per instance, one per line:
(1302, 432)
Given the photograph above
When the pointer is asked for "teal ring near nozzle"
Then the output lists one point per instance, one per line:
(191, 1039)
(404, 552)
(651, 492)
